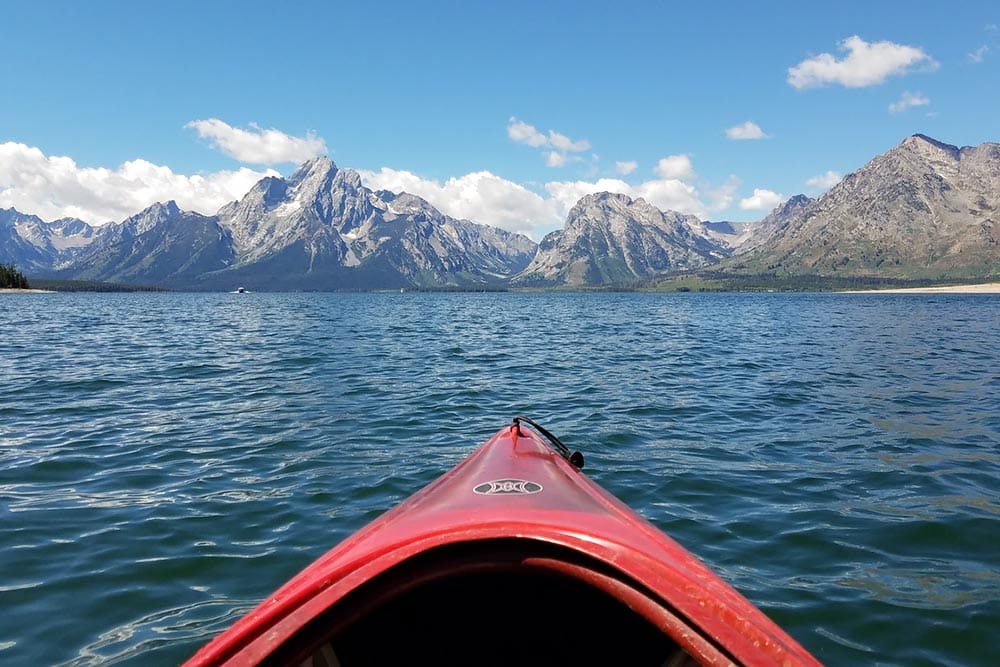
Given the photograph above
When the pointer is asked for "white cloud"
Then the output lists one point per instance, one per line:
(673, 195)
(487, 198)
(555, 159)
(565, 194)
(866, 64)
(561, 145)
(908, 100)
(257, 145)
(480, 196)
(761, 200)
(626, 168)
(522, 133)
(664, 194)
(721, 197)
(675, 167)
(54, 186)
(825, 181)
(979, 54)
(748, 130)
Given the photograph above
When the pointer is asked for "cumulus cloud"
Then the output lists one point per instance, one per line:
(480, 196)
(761, 200)
(559, 144)
(672, 195)
(748, 130)
(675, 167)
(825, 181)
(257, 145)
(565, 194)
(908, 100)
(626, 168)
(487, 198)
(664, 194)
(866, 64)
(53, 187)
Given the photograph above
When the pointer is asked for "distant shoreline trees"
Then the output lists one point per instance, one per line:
(11, 277)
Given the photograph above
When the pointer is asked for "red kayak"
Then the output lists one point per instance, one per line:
(514, 557)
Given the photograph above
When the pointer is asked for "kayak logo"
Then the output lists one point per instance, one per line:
(508, 487)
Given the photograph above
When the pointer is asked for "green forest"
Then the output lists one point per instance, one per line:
(11, 277)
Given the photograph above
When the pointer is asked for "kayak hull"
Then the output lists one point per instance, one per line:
(512, 556)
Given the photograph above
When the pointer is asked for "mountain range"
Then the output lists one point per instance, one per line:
(924, 209)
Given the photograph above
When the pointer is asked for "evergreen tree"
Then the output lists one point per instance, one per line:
(11, 277)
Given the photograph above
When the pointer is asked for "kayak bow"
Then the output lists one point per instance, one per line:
(512, 557)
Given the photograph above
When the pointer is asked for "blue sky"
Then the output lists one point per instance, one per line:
(504, 113)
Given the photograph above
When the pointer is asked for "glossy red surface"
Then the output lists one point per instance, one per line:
(516, 487)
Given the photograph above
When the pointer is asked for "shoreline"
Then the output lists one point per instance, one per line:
(981, 288)
(18, 290)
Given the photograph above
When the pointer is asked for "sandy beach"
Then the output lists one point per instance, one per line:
(983, 288)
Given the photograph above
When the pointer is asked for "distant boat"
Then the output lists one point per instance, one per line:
(240, 290)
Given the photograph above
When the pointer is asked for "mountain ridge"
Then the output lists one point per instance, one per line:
(923, 209)
(612, 238)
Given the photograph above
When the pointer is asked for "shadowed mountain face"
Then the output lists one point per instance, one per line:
(162, 245)
(319, 229)
(922, 210)
(35, 245)
(322, 228)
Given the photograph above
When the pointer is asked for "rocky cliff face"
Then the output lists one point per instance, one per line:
(319, 229)
(923, 209)
(35, 245)
(324, 229)
(614, 239)
(161, 245)
(754, 235)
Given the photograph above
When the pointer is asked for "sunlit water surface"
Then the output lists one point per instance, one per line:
(167, 460)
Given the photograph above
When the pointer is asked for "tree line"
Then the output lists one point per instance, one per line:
(11, 277)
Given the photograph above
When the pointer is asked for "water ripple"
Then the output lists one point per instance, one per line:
(834, 456)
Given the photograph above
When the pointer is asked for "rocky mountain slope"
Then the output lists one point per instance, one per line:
(319, 229)
(322, 229)
(34, 245)
(161, 245)
(614, 239)
(924, 209)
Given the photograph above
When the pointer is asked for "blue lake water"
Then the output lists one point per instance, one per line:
(167, 460)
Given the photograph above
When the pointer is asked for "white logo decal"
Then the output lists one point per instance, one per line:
(507, 487)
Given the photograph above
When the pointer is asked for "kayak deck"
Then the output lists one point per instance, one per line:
(514, 556)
